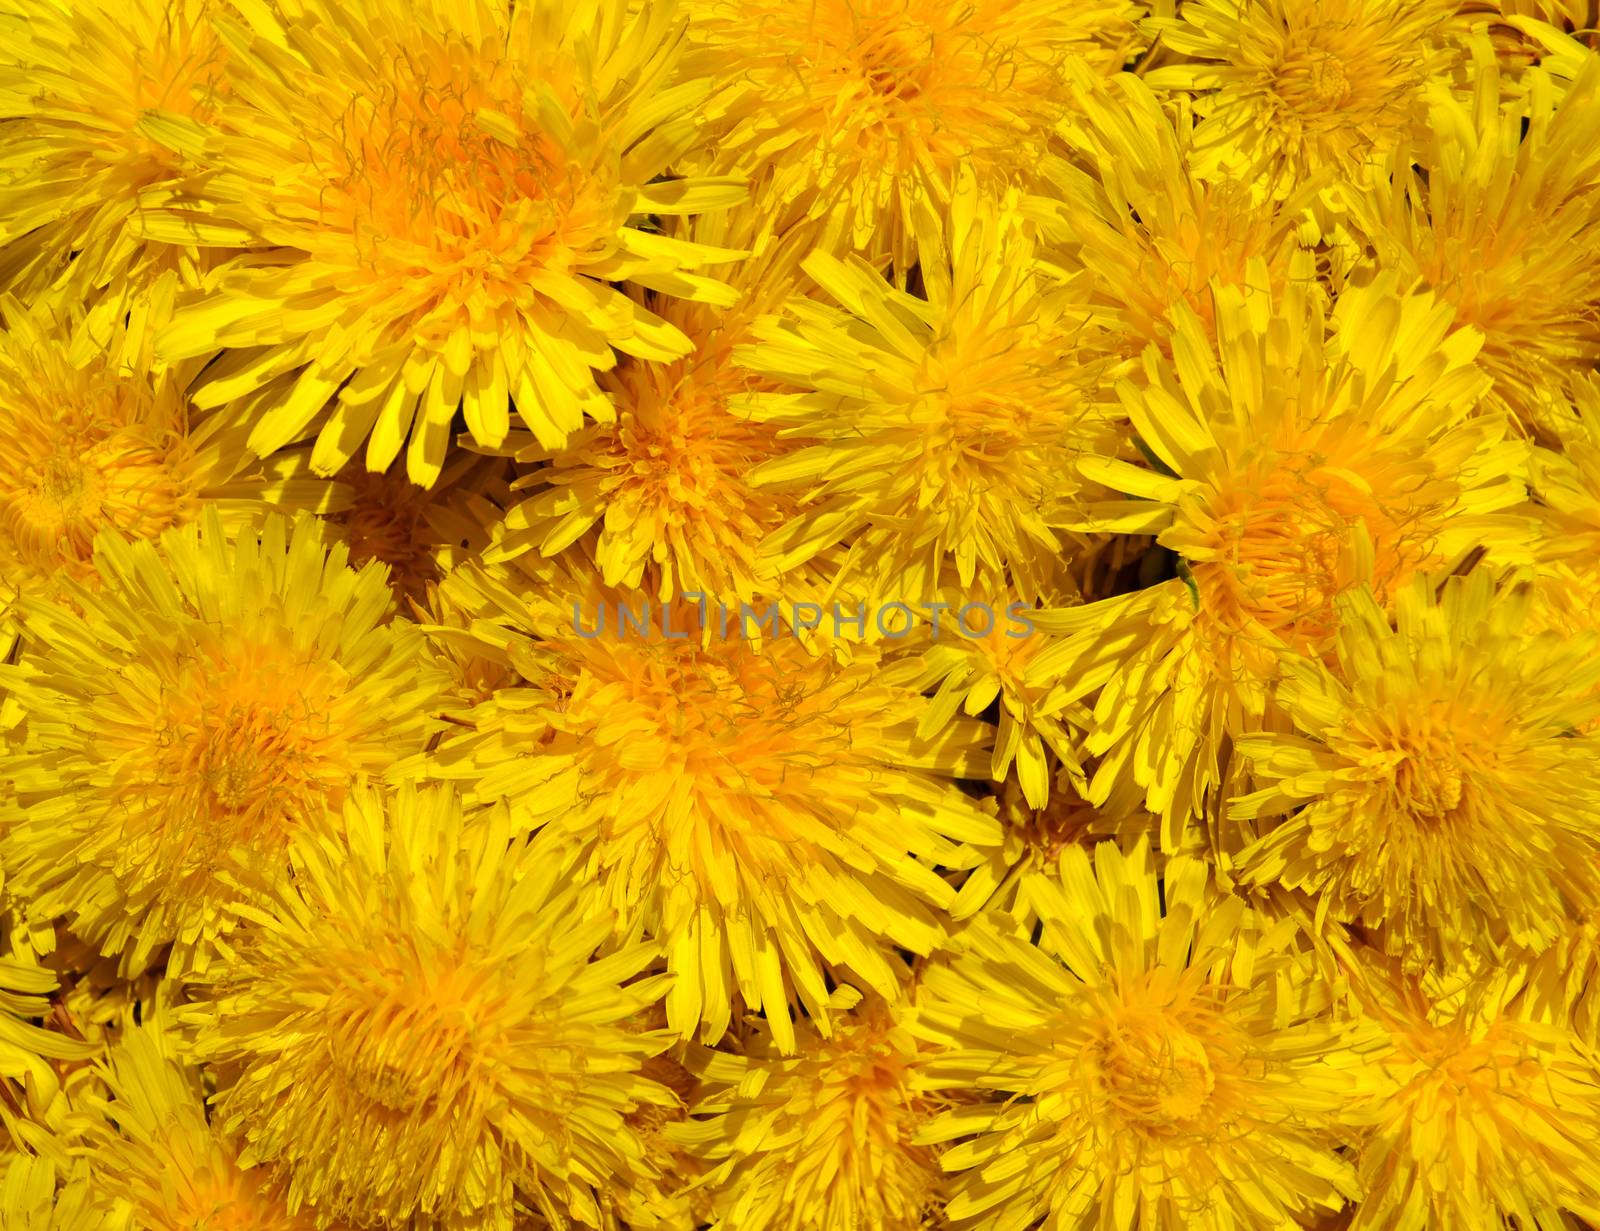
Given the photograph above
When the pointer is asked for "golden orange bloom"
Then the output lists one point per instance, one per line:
(417, 1027)
(79, 85)
(1418, 789)
(251, 681)
(1292, 460)
(668, 487)
(935, 428)
(1140, 230)
(1498, 227)
(1288, 88)
(763, 807)
(853, 118)
(96, 435)
(1481, 1114)
(155, 1150)
(1159, 1058)
(448, 190)
(826, 1139)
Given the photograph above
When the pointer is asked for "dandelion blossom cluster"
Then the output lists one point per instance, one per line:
(856, 615)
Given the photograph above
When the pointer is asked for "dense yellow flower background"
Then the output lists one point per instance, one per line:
(1240, 359)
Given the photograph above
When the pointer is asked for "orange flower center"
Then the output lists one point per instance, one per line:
(1311, 80)
(1425, 757)
(678, 448)
(245, 749)
(1157, 1076)
(1284, 540)
(403, 1044)
(88, 453)
(439, 169)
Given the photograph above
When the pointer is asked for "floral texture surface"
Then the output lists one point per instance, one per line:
(799, 615)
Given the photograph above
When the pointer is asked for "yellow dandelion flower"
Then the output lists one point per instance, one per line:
(1160, 1059)
(451, 189)
(1293, 463)
(981, 647)
(1483, 1122)
(823, 1140)
(667, 485)
(1499, 228)
(854, 117)
(94, 435)
(38, 1195)
(77, 83)
(201, 703)
(415, 1029)
(937, 429)
(1422, 771)
(1287, 88)
(155, 1151)
(1144, 230)
(766, 811)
